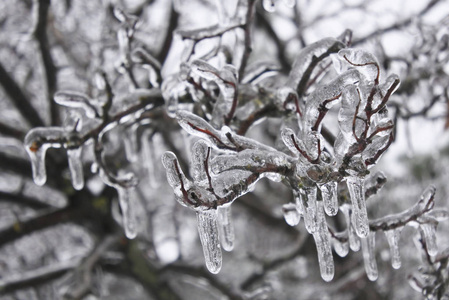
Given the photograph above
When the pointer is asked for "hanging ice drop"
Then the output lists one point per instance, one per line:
(76, 167)
(323, 245)
(329, 194)
(354, 241)
(207, 229)
(356, 189)
(393, 240)
(369, 257)
(428, 231)
(291, 214)
(128, 214)
(226, 227)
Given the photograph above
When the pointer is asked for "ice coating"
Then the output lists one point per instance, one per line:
(226, 227)
(340, 247)
(428, 230)
(175, 176)
(393, 241)
(308, 205)
(37, 142)
(323, 244)
(76, 100)
(330, 197)
(291, 214)
(127, 206)
(356, 189)
(363, 60)
(369, 256)
(208, 232)
(199, 161)
(205, 70)
(76, 167)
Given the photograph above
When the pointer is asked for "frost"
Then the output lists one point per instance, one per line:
(208, 231)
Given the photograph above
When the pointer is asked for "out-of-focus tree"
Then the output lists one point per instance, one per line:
(130, 127)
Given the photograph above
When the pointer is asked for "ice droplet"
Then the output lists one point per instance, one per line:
(323, 245)
(269, 5)
(329, 195)
(369, 257)
(356, 189)
(340, 247)
(354, 241)
(127, 205)
(393, 240)
(226, 227)
(76, 167)
(428, 230)
(37, 141)
(207, 229)
(291, 214)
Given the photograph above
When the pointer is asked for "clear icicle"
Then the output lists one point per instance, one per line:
(354, 241)
(208, 231)
(226, 227)
(393, 240)
(369, 257)
(128, 214)
(37, 142)
(329, 194)
(308, 205)
(428, 230)
(341, 248)
(356, 189)
(291, 214)
(323, 245)
(76, 167)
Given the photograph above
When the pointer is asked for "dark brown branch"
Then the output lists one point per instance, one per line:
(40, 33)
(247, 39)
(23, 200)
(19, 99)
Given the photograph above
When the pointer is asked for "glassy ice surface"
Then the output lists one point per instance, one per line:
(429, 233)
(354, 240)
(323, 244)
(127, 206)
(208, 231)
(291, 214)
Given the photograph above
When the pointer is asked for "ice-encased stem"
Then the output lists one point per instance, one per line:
(226, 227)
(323, 244)
(393, 240)
(428, 230)
(354, 241)
(329, 194)
(356, 189)
(369, 257)
(127, 206)
(208, 231)
(76, 167)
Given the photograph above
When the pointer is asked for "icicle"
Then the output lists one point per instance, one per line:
(269, 5)
(330, 199)
(291, 214)
(323, 245)
(356, 189)
(130, 143)
(308, 205)
(369, 257)
(37, 142)
(76, 167)
(128, 211)
(428, 230)
(207, 229)
(226, 227)
(341, 248)
(354, 241)
(393, 240)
